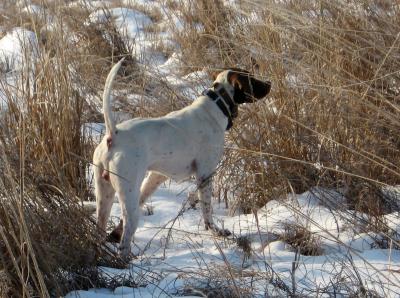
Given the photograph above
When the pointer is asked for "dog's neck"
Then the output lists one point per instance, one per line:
(224, 100)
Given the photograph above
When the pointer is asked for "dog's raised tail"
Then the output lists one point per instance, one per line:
(108, 119)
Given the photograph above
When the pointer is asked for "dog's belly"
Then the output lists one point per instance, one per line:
(176, 170)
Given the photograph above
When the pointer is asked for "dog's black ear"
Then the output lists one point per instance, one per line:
(247, 88)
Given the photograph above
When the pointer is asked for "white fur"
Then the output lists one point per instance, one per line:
(185, 143)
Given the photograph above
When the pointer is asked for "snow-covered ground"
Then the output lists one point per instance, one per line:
(176, 256)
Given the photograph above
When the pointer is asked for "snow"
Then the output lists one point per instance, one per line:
(174, 251)
(17, 48)
(90, 5)
(130, 22)
(33, 9)
(141, 2)
(132, 25)
(172, 244)
(173, 240)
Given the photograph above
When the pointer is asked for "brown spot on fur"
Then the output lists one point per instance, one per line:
(193, 165)
(105, 175)
(109, 142)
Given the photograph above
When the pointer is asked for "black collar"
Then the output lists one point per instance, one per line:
(224, 101)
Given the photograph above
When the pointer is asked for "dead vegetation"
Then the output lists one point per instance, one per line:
(331, 120)
(302, 240)
(331, 117)
(49, 246)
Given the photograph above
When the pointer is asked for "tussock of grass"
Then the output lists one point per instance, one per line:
(215, 282)
(244, 243)
(48, 245)
(302, 240)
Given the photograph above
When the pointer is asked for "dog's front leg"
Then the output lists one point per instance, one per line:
(205, 193)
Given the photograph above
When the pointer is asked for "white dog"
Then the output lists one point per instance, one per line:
(185, 143)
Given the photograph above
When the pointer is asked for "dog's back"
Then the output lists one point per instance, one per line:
(169, 144)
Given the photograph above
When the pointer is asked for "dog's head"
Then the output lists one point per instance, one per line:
(243, 87)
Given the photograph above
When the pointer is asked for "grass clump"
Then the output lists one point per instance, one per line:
(302, 240)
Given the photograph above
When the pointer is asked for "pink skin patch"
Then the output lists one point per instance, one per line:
(109, 142)
(105, 175)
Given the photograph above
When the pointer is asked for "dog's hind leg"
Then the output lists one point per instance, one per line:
(149, 185)
(127, 188)
(104, 198)
(129, 200)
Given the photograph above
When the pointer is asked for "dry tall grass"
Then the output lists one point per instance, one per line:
(331, 119)
(49, 246)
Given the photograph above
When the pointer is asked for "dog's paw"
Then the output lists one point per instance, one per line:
(226, 233)
(125, 253)
(147, 210)
(222, 232)
(217, 231)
